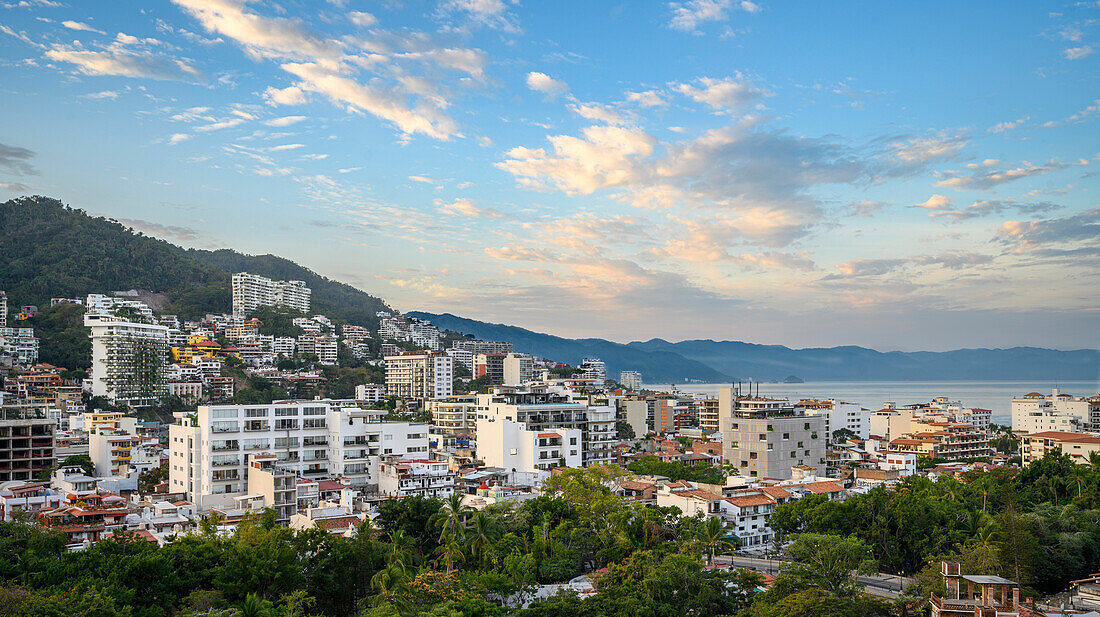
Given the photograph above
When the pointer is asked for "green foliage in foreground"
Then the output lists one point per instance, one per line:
(675, 470)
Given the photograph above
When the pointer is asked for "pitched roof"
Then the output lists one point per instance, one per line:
(743, 501)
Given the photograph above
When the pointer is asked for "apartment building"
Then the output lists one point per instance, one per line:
(417, 476)
(840, 415)
(706, 414)
(1036, 413)
(594, 369)
(512, 445)
(944, 440)
(420, 375)
(1079, 446)
(251, 291)
(209, 450)
(462, 356)
(3, 309)
(370, 392)
(454, 416)
(518, 369)
(129, 360)
(135, 310)
(115, 452)
(544, 409)
(764, 438)
(476, 347)
(631, 380)
(26, 447)
(324, 346)
(490, 365)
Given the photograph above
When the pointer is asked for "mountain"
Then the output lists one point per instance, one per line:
(655, 365)
(51, 250)
(774, 362)
(726, 360)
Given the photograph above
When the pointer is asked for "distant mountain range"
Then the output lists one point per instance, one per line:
(716, 361)
(50, 250)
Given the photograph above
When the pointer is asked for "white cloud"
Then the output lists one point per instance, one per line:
(1002, 127)
(115, 61)
(284, 147)
(488, 13)
(466, 208)
(936, 202)
(178, 138)
(76, 25)
(292, 95)
(687, 16)
(727, 94)
(284, 121)
(597, 112)
(1076, 53)
(361, 19)
(985, 176)
(541, 82)
(649, 98)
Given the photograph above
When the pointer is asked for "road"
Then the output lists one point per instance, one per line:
(884, 585)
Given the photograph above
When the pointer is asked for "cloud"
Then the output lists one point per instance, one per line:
(985, 176)
(425, 118)
(1026, 235)
(597, 112)
(292, 95)
(986, 207)
(649, 98)
(1076, 53)
(488, 13)
(466, 208)
(1002, 127)
(919, 151)
(285, 147)
(76, 25)
(935, 202)
(14, 187)
(261, 37)
(728, 94)
(687, 16)
(770, 260)
(361, 19)
(118, 61)
(759, 180)
(17, 160)
(541, 82)
(284, 121)
(171, 232)
(865, 208)
(519, 253)
(862, 268)
(103, 95)
(178, 138)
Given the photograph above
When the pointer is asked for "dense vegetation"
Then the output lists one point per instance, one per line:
(428, 557)
(62, 338)
(675, 470)
(1039, 526)
(52, 250)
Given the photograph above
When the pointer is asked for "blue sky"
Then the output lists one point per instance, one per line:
(901, 176)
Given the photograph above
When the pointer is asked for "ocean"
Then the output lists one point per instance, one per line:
(993, 395)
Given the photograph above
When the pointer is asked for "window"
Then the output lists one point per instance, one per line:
(286, 411)
(800, 445)
(572, 441)
(786, 436)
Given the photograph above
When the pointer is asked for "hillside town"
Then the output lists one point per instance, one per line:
(156, 439)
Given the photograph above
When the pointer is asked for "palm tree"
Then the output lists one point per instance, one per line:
(452, 553)
(481, 532)
(401, 547)
(452, 518)
(713, 534)
(255, 606)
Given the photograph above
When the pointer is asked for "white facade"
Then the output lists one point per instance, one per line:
(313, 439)
(110, 305)
(1037, 413)
(370, 392)
(839, 415)
(595, 369)
(518, 369)
(404, 478)
(129, 359)
(251, 291)
(512, 446)
(420, 375)
(631, 380)
(462, 355)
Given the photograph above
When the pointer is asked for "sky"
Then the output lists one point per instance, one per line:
(901, 176)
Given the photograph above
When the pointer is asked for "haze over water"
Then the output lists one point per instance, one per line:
(993, 395)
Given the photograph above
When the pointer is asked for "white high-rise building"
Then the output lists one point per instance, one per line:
(209, 450)
(518, 369)
(1036, 413)
(133, 310)
(631, 380)
(3, 309)
(129, 360)
(251, 291)
(594, 368)
(840, 415)
(512, 446)
(424, 375)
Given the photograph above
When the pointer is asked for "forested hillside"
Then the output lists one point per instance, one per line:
(51, 250)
